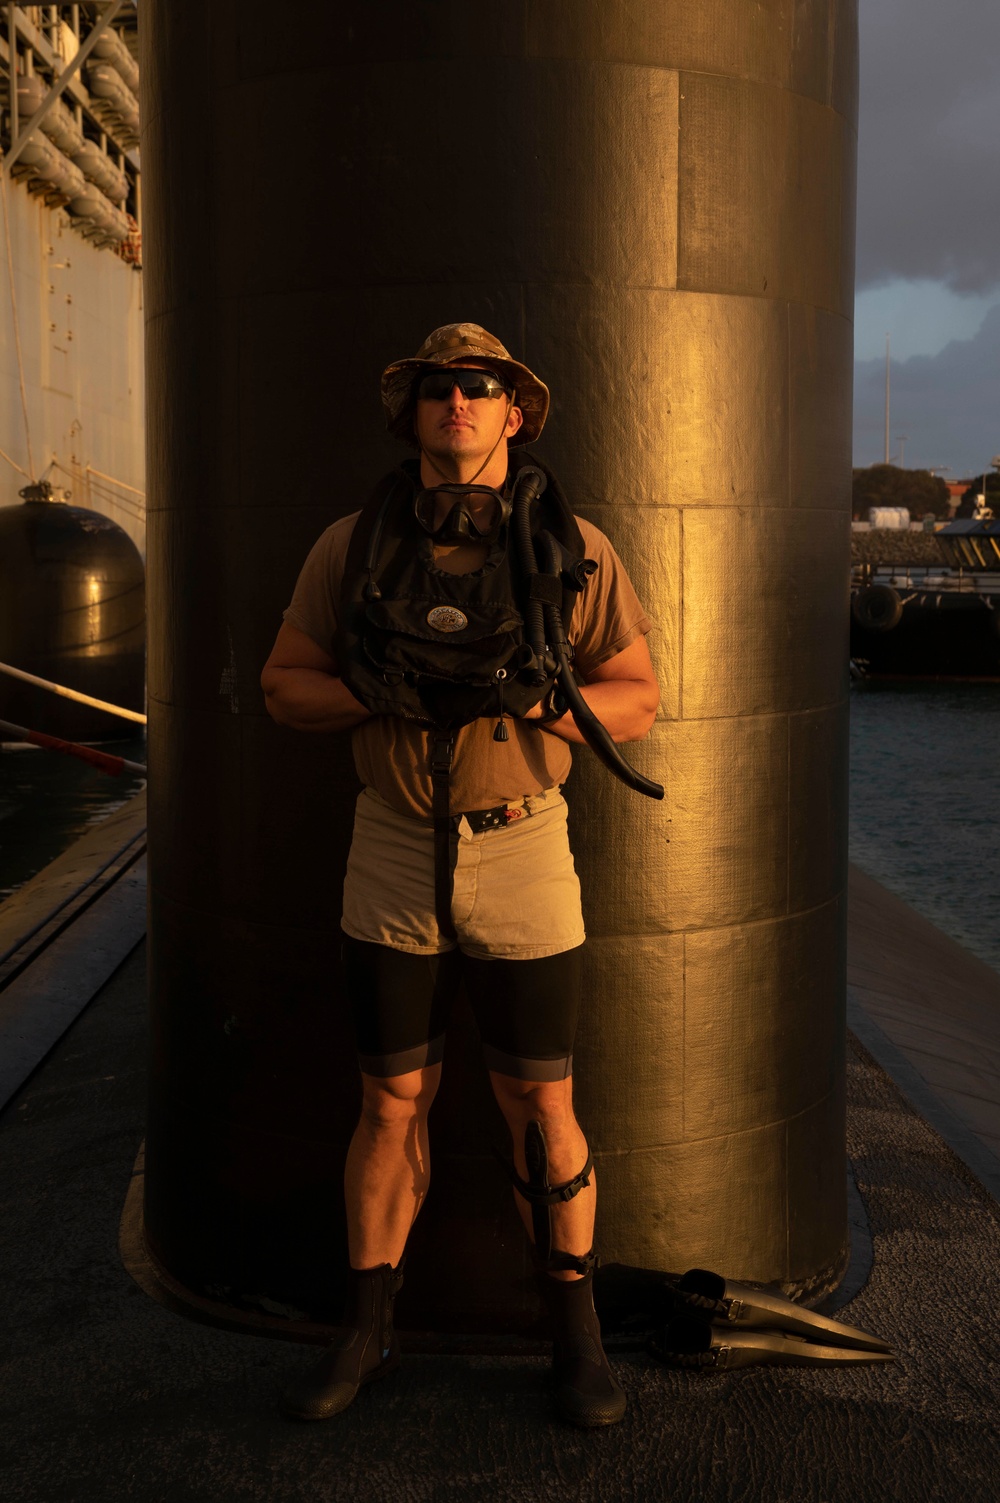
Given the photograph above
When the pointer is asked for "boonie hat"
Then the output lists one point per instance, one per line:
(455, 343)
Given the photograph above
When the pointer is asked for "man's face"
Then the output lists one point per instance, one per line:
(461, 427)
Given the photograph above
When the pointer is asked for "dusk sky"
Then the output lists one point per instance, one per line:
(929, 233)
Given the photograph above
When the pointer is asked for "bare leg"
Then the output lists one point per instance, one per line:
(388, 1165)
(385, 1181)
(586, 1390)
(551, 1104)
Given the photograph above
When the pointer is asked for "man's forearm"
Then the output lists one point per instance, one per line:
(309, 700)
(626, 709)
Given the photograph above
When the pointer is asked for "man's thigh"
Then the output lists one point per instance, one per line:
(401, 1004)
(527, 1012)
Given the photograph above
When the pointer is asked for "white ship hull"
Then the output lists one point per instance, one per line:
(77, 310)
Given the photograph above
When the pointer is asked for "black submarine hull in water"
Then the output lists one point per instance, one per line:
(925, 633)
(73, 611)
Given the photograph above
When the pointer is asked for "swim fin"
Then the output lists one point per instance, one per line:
(727, 1303)
(691, 1341)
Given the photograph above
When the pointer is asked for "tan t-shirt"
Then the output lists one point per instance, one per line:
(392, 754)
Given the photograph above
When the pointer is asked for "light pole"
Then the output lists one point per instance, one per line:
(887, 398)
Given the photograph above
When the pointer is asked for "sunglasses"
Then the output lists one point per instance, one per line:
(437, 386)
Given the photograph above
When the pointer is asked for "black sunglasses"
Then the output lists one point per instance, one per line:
(437, 386)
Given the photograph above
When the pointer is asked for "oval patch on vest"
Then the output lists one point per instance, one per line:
(447, 618)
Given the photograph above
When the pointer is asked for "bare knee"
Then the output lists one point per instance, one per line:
(396, 1102)
(549, 1102)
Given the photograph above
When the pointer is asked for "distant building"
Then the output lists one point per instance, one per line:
(958, 488)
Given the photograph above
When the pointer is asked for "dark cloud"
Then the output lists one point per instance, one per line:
(948, 404)
(929, 142)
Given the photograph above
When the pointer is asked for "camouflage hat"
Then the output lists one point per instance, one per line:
(451, 344)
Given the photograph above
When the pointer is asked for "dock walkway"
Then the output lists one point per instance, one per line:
(940, 1008)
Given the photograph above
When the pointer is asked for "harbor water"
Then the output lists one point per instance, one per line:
(48, 800)
(925, 815)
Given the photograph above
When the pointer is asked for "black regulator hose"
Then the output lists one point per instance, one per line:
(595, 734)
(529, 485)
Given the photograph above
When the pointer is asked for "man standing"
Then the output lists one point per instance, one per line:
(405, 627)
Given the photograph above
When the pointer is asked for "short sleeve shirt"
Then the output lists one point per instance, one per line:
(392, 755)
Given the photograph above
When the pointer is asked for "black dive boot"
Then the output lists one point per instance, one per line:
(586, 1390)
(367, 1349)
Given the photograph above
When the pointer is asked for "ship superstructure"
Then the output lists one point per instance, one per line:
(71, 334)
(927, 605)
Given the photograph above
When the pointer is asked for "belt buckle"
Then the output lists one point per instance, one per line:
(493, 819)
(442, 754)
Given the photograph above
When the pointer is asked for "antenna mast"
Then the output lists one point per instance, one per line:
(887, 398)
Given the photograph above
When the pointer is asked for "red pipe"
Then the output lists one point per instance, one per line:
(113, 766)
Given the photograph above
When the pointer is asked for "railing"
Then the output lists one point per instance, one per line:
(74, 694)
(105, 761)
(910, 576)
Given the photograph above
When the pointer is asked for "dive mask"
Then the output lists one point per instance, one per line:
(459, 525)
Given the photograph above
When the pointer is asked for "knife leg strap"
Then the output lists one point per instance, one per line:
(541, 1196)
(442, 756)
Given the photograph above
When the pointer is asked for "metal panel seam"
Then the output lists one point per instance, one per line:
(684, 1070)
(760, 83)
(680, 613)
(775, 918)
(715, 1137)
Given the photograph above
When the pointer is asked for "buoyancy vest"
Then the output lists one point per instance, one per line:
(445, 649)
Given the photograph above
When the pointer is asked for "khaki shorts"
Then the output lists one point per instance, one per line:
(516, 892)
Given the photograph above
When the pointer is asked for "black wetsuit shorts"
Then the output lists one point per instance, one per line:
(526, 1010)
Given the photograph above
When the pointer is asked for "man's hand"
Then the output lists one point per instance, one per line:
(301, 687)
(623, 694)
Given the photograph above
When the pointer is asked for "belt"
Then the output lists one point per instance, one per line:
(497, 818)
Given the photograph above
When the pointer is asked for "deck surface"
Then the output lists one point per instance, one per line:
(106, 1395)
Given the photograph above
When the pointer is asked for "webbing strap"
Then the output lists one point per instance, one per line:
(559, 1261)
(542, 1195)
(553, 1195)
(442, 756)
